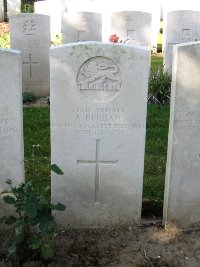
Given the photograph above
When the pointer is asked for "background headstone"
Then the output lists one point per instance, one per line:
(153, 7)
(53, 9)
(1, 10)
(182, 26)
(98, 121)
(30, 33)
(182, 190)
(13, 7)
(81, 26)
(132, 25)
(11, 126)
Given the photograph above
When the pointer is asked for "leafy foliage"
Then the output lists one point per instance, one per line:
(27, 8)
(28, 97)
(154, 263)
(159, 87)
(4, 35)
(32, 211)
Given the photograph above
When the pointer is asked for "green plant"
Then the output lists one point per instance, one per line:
(154, 263)
(28, 97)
(27, 8)
(159, 87)
(32, 211)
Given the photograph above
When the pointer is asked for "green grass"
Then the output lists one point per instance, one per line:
(37, 132)
(156, 62)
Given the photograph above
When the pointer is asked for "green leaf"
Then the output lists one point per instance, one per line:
(30, 210)
(59, 207)
(12, 248)
(56, 169)
(47, 252)
(34, 243)
(47, 225)
(9, 200)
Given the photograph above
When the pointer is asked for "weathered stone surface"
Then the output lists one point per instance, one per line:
(81, 26)
(13, 7)
(51, 8)
(11, 128)
(181, 26)
(1, 10)
(98, 121)
(182, 190)
(132, 25)
(30, 33)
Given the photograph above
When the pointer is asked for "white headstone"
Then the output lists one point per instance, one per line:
(13, 7)
(1, 10)
(182, 191)
(132, 25)
(98, 122)
(182, 26)
(53, 9)
(11, 128)
(81, 26)
(30, 33)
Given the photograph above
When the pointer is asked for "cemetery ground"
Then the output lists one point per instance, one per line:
(146, 245)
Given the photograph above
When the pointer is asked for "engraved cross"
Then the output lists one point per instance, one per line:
(97, 162)
(30, 62)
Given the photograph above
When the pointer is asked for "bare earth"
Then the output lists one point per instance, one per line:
(124, 247)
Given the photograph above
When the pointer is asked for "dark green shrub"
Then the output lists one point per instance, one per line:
(32, 211)
(28, 97)
(159, 87)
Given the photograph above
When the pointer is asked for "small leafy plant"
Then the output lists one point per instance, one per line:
(34, 225)
(28, 97)
(159, 87)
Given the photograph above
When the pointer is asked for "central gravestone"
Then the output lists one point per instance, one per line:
(132, 25)
(98, 121)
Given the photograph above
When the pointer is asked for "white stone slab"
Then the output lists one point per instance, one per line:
(98, 121)
(132, 25)
(182, 190)
(1, 10)
(81, 26)
(11, 128)
(13, 7)
(30, 33)
(182, 26)
(51, 8)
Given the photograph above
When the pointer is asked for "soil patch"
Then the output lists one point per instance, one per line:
(125, 246)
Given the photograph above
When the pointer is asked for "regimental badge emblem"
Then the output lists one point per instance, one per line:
(99, 79)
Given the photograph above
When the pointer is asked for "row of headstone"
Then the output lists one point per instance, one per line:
(30, 33)
(98, 121)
